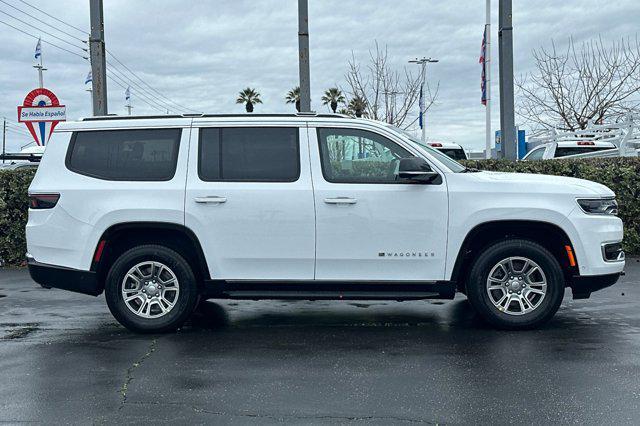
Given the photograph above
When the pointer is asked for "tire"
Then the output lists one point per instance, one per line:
(160, 285)
(524, 306)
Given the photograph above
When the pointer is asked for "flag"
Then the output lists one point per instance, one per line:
(127, 93)
(483, 62)
(89, 78)
(38, 53)
(421, 106)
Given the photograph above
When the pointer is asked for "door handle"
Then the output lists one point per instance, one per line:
(210, 200)
(340, 200)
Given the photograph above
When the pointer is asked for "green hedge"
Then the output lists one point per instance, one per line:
(14, 204)
(622, 175)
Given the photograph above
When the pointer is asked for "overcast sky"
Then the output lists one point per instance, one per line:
(200, 54)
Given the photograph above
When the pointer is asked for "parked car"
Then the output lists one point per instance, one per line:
(162, 212)
(18, 165)
(551, 150)
(450, 149)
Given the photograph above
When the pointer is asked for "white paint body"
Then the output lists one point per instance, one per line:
(286, 231)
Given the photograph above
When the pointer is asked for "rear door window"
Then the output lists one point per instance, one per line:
(455, 153)
(563, 152)
(137, 155)
(249, 154)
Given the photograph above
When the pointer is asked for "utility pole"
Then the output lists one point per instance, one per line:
(4, 138)
(98, 60)
(507, 113)
(487, 78)
(303, 49)
(423, 62)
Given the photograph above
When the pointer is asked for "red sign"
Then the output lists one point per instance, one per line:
(41, 112)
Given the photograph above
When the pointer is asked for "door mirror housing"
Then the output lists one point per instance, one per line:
(416, 169)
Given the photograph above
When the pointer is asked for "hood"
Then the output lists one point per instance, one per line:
(535, 183)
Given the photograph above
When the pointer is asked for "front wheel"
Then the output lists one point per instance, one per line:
(516, 284)
(151, 289)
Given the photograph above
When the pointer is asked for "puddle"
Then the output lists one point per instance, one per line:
(19, 331)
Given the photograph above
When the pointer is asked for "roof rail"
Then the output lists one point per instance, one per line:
(148, 117)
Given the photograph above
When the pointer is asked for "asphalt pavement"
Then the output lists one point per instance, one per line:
(64, 359)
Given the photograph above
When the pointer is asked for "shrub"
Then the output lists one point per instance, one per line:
(622, 175)
(14, 204)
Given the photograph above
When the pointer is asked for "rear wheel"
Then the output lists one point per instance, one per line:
(151, 289)
(516, 284)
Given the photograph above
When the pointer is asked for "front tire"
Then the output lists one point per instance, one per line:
(151, 289)
(516, 284)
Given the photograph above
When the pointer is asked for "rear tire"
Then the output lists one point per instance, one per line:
(151, 289)
(516, 284)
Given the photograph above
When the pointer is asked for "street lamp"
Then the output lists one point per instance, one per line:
(423, 62)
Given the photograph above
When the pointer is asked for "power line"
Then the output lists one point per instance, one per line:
(141, 89)
(119, 81)
(44, 41)
(148, 93)
(53, 17)
(149, 96)
(43, 31)
(148, 85)
(44, 22)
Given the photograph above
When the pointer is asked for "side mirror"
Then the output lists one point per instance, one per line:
(416, 169)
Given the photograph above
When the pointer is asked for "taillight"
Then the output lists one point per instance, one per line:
(586, 143)
(43, 201)
(436, 145)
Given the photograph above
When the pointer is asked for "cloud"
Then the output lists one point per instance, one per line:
(200, 54)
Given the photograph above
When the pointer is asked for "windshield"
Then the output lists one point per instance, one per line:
(448, 162)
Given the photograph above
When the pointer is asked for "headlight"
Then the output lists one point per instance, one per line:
(607, 206)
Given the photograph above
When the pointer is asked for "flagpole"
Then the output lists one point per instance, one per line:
(39, 66)
(423, 62)
(487, 73)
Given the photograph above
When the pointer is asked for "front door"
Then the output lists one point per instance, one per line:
(249, 200)
(370, 225)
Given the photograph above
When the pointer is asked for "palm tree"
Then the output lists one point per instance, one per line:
(293, 97)
(333, 97)
(249, 97)
(357, 106)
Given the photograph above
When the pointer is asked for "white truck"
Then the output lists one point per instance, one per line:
(597, 140)
(450, 149)
(162, 212)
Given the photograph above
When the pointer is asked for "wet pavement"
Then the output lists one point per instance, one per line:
(64, 359)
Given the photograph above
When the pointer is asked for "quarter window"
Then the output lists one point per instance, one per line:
(137, 155)
(359, 156)
(254, 154)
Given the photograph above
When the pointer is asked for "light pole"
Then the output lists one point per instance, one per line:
(423, 62)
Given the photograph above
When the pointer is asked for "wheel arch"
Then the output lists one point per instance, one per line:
(547, 234)
(120, 237)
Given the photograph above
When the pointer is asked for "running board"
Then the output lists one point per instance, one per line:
(329, 290)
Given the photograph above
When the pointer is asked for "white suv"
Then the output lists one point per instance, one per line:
(162, 212)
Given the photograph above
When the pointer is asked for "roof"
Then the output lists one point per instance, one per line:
(172, 121)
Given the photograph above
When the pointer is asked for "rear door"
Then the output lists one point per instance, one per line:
(370, 225)
(249, 200)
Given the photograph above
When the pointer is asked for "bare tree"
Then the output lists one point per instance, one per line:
(593, 82)
(386, 94)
